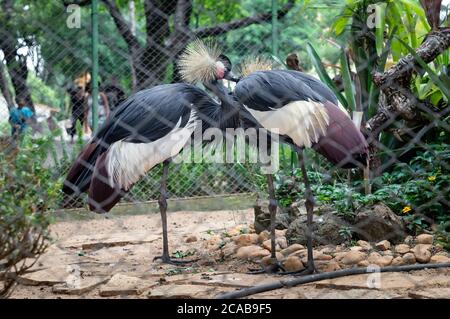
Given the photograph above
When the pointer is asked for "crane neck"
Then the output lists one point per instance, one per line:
(222, 93)
(229, 106)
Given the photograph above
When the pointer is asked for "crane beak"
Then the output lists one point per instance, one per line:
(231, 77)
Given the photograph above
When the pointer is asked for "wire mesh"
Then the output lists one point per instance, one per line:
(46, 66)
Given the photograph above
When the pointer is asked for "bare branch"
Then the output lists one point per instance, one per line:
(121, 24)
(395, 82)
(258, 18)
(80, 3)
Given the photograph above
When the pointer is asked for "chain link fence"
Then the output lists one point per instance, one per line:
(392, 82)
(48, 66)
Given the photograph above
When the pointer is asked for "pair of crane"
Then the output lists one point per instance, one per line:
(153, 125)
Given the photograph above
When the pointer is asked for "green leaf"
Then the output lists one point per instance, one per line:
(348, 84)
(323, 75)
(433, 75)
(380, 11)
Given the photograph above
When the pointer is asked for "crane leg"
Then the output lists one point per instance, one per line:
(162, 202)
(274, 265)
(309, 203)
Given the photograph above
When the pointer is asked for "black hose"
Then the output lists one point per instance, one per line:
(326, 275)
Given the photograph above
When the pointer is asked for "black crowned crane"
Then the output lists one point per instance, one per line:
(147, 129)
(304, 112)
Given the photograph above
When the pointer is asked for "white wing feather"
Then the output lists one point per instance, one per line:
(303, 121)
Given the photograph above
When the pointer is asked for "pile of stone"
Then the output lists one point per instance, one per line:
(256, 248)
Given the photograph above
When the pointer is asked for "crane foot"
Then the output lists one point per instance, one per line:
(169, 261)
(303, 272)
(274, 267)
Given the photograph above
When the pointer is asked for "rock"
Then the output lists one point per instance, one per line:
(327, 266)
(387, 253)
(123, 285)
(293, 263)
(363, 263)
(409, 240)
(409, 259)
(246, 240)
(98, 241)
(397, 261)
(292, 248)
(383, 245)
(317, 255)
(177, 291)
(268, 244)
(329, 249)
(430, 293)
(266, 261)
(280, 233)
(377, 259)
(439, 259)
(281, 242)
(340, 248)
(422, 253)
(80, 286)
(378, 222)
(364, 245)
(251, 252)
(229, 249)
(49, 276)
(321, 256)
(443, 253)
(191, 239)
(356, 248)
(402, 248)
(214, 242)
(388, 282)
(262, 217)
(300, 253)
(238, 230)
(325, 229)
(263, 236)
(338, 256)
(353, 257)
(296, 209)
(424, 239)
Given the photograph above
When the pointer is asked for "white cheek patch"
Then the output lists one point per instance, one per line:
(303, 121)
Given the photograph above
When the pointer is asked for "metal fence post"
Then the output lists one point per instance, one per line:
(94, 87)
(274, 27)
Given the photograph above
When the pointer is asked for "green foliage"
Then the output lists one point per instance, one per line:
(418, 191)
(28, 191)
(42, 93)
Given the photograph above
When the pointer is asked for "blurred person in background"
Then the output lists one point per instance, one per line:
(103, 106)
(19, 118)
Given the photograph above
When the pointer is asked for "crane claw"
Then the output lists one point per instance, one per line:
(272, 268)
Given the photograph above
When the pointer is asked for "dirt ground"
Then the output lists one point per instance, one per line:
(113, 258)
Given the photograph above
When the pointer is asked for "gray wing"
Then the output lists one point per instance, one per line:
(315, 85)
(268, 90)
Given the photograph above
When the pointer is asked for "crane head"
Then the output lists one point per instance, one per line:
(255, 64)
(204, 62)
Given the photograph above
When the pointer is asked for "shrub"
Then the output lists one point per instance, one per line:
(28, 191)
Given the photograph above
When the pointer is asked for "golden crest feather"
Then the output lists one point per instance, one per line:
(198, 61)
(254, 64)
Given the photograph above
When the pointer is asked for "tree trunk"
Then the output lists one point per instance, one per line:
(17, 64)
(4, 86)
(163, 44)
(132, 9)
